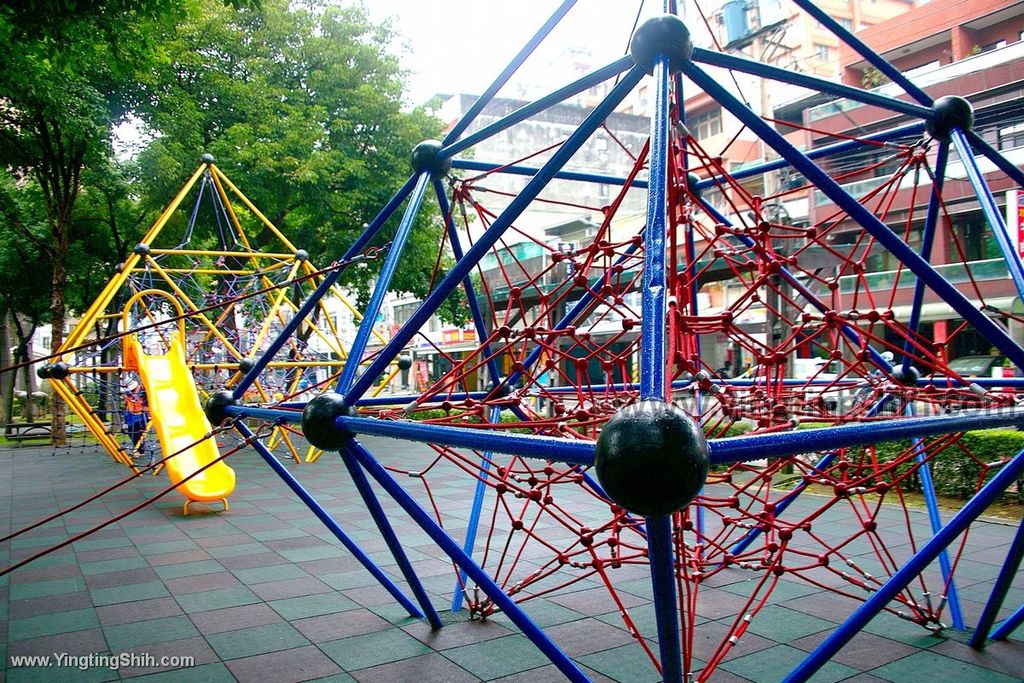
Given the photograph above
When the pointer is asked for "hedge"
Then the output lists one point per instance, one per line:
(955, 473)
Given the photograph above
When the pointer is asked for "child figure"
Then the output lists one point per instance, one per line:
(136, 415)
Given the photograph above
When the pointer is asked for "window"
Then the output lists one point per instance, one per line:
(821, 52)
(705, 124)
(978, 242)
(845, 23)
(404, 311)
(1011, 137)
(993, 46)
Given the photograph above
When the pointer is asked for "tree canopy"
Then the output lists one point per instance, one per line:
(300, 103)
(302, 107)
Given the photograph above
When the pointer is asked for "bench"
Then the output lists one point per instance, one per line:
(24, 431)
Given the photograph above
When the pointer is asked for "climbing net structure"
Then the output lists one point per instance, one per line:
(235, 288)
(591, 379)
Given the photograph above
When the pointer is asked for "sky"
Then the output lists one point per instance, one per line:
(462, 45)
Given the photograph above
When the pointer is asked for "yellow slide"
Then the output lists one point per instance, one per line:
(179, 420)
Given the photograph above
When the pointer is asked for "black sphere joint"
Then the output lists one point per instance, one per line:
(404, 361)
(318, 421)
(950, 112)
(426, 156)
(691, 184)
(43, 371)
(245, 365)
(217, 405)
(652, 458)
(142, 249)
(301, 255)
(59, 371)
(665, 35)
(908, 377)
(207, 158)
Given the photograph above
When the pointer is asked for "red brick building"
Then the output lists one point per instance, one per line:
(970, 48)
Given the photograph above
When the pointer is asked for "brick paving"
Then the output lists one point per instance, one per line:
(264, 592)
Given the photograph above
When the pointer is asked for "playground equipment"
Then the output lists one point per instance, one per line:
(640, 436)
(596, 381)
(234, 297)
(178, 416)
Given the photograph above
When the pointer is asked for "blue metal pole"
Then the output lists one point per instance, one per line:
(300, 316)
(993, 155)
(848, 331)
(1000, 589)
(1007, 244)
(570, 451)
(482, 332)
(653, 385)
(817, 153)
(525, 112)
(478, 106)
(927, 239)
(515, 208)
(910, 569)
(749, 66)
(747, 172)
(1009, 625)
(780, 444)
(571, 317)
(520, 169)
(387, 271)
(931, 501)
(325, 517)
(788, 499)
(876, 60)
(466, 563)
(881, 232)
(474, 516)
(381, 519)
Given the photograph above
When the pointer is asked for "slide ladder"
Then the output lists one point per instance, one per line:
(178, 417)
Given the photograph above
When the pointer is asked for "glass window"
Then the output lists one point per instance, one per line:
(706, 123)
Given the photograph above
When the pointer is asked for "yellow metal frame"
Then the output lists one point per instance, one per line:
(263, 263)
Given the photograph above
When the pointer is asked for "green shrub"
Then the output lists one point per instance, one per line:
(956, 471)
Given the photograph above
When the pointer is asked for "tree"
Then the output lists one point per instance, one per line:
(70, 75)
(301, 106)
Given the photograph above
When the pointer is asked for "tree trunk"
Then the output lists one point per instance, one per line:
(58, 312)
(6, 378)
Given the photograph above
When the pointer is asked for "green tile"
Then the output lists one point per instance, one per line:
(277, 534)
(357, 578)
(341, 677)
(772, 665)
(784, 625)
(179, 571)
(312, 605)
(517, 654)
(217, 599)
(23, 542)
(129, 593)
(931, 666)
(37, 674)
(624, 663)
(117, 565)
(208, 673)
(38, 589)
(102, 544)
(246, 642)
(279, 572)
(238, 550)
(127, 636)
(52, 624)
(167, 547)
(371, 649)
(322, 552)
(892, 627)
